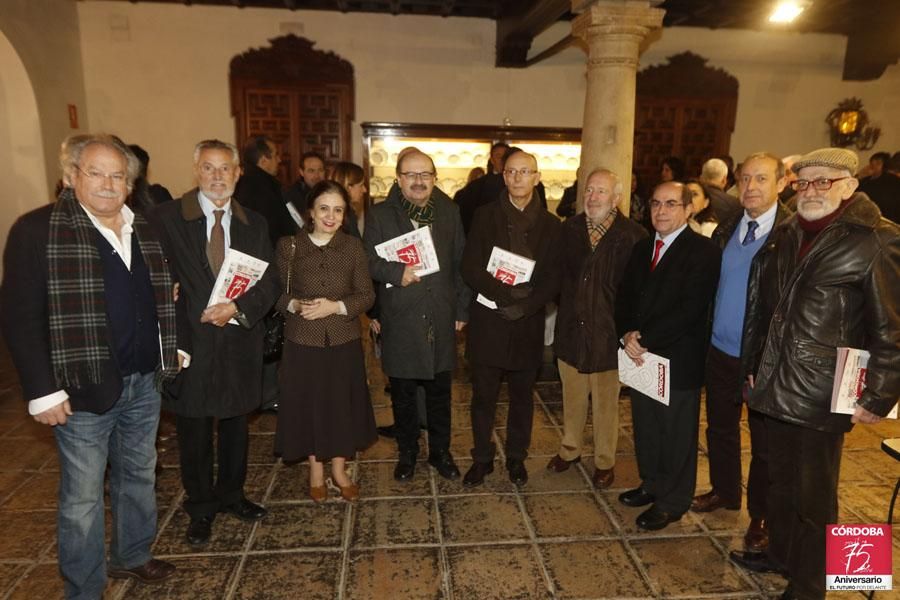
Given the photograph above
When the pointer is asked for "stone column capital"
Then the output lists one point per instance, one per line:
(623, 17)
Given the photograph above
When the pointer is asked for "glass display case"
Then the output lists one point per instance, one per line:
(457, 149)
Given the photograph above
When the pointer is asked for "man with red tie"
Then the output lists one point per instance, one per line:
(662, 307)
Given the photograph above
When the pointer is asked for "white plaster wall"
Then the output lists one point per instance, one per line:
(45, 36)
(157, 74)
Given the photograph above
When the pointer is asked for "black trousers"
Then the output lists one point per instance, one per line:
(207, 493)
(665, 444)
(723, 436)
(485, 390)
(804, 467)
(404, 401)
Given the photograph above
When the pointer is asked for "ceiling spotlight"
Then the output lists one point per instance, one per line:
(788, 10)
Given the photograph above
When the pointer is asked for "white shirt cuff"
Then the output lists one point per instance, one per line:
(39, 405)
(342, 308)
(185, 359)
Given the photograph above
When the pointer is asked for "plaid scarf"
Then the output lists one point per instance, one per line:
(595, 231)
(423, 215)
(76, 301)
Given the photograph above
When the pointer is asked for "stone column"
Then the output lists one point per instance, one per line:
(612, 31)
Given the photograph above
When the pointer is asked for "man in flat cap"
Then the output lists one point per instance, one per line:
(830, 281)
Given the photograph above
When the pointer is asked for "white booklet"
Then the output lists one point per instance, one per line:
(651, 379)
(508, 268)
(850, 381)
(415, 248)
(239, 273)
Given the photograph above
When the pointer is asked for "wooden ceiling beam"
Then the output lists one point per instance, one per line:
(516, 32)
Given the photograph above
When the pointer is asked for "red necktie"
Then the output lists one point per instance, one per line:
(659, 245)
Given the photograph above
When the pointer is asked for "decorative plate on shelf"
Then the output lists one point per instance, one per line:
(379, 157)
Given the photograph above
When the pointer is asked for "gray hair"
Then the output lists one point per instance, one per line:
(617, 184)
(714, 169)
(215, 144)
(779, 166)
(73, 147)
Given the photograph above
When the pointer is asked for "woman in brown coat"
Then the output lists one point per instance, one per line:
(325, 411)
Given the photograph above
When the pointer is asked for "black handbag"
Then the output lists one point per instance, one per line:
(273, 341)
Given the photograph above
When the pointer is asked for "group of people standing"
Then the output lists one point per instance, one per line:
(108, 318)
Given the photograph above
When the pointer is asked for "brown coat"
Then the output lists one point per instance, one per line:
(337, 271)
(585, 326)
(492, 340)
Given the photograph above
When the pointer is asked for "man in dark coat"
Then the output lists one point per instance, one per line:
(419, 316)
(714, 174)
(662, 307)
(743, 242)
(829, 282)
(223, 380)
(89, 319)
(312, 171)
(596, 246)
(882, 187)
(259, 190)
(509, 340)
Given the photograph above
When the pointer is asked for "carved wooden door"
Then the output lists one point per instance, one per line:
(684, 109)
(298, 96)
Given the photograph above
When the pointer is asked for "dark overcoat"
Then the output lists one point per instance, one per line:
(418, 321)
(585, 325)
(224, 378)
(492, 340)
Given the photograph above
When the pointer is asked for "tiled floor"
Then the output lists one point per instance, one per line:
(429, 538)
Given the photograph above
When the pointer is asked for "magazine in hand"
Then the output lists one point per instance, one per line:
(239, 273)
(415, 248)
(850, 381)
(509, 268)
(651, 379)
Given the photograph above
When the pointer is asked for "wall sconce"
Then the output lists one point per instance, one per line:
(849, 125)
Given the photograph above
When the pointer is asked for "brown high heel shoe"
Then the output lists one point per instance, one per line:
(318, 493)
(350, 493)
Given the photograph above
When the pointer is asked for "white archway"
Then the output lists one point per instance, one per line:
(22, 168)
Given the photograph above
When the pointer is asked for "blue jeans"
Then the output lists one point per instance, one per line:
(125, 436)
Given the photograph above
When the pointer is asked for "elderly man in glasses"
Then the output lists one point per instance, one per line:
(662, 307)
(829, 282)
(507, 340)
(419, 315)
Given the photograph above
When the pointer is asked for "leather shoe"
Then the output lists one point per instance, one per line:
(318, 493)
(475, 474)
(711, 501)
(758, 562)
(152, 571)
(757, 537)
(350, 493)
(558, 464)
(516, 470)
(199, 531)
(636, 497)
(655, 518)
(245, 510)
(444, 464)
(603, 478)
(406, 467)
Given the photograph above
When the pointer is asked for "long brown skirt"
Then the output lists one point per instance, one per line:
(324, 407)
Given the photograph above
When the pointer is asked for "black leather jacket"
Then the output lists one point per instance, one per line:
(844, 292)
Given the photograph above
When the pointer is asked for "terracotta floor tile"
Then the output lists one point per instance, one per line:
(10, 480)
(292, 526)
(866, 466)
(12, 420)
(461, 442)
(167, 453)
(395, 522)
(383, 449)
(723, 520)
(228, 535)
(39, 492)
(410, 574)
(261, 450)
(262, 423)
(626, 473)
(291, 482)
(311, 576)
(24, 453)
(168, 487)
(871, 502)
(672, 565)
(482, 519)
(544, 440)
(9, 573)
(43, 581)
(377, 479)
(592, 569)
(497, 482)
(26, 534)
(542, 480)
(197, 578)
(878, 462)
(496, 573)
(563, 515)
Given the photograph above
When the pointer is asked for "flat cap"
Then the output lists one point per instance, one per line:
(835, 158)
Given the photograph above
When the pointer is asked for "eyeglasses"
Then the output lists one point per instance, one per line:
(522, 172)
(822, 184)
(424, 175)
(669, 204)
(94, 175)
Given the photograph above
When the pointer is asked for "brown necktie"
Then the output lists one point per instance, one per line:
(659, 245)
(215, 249)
